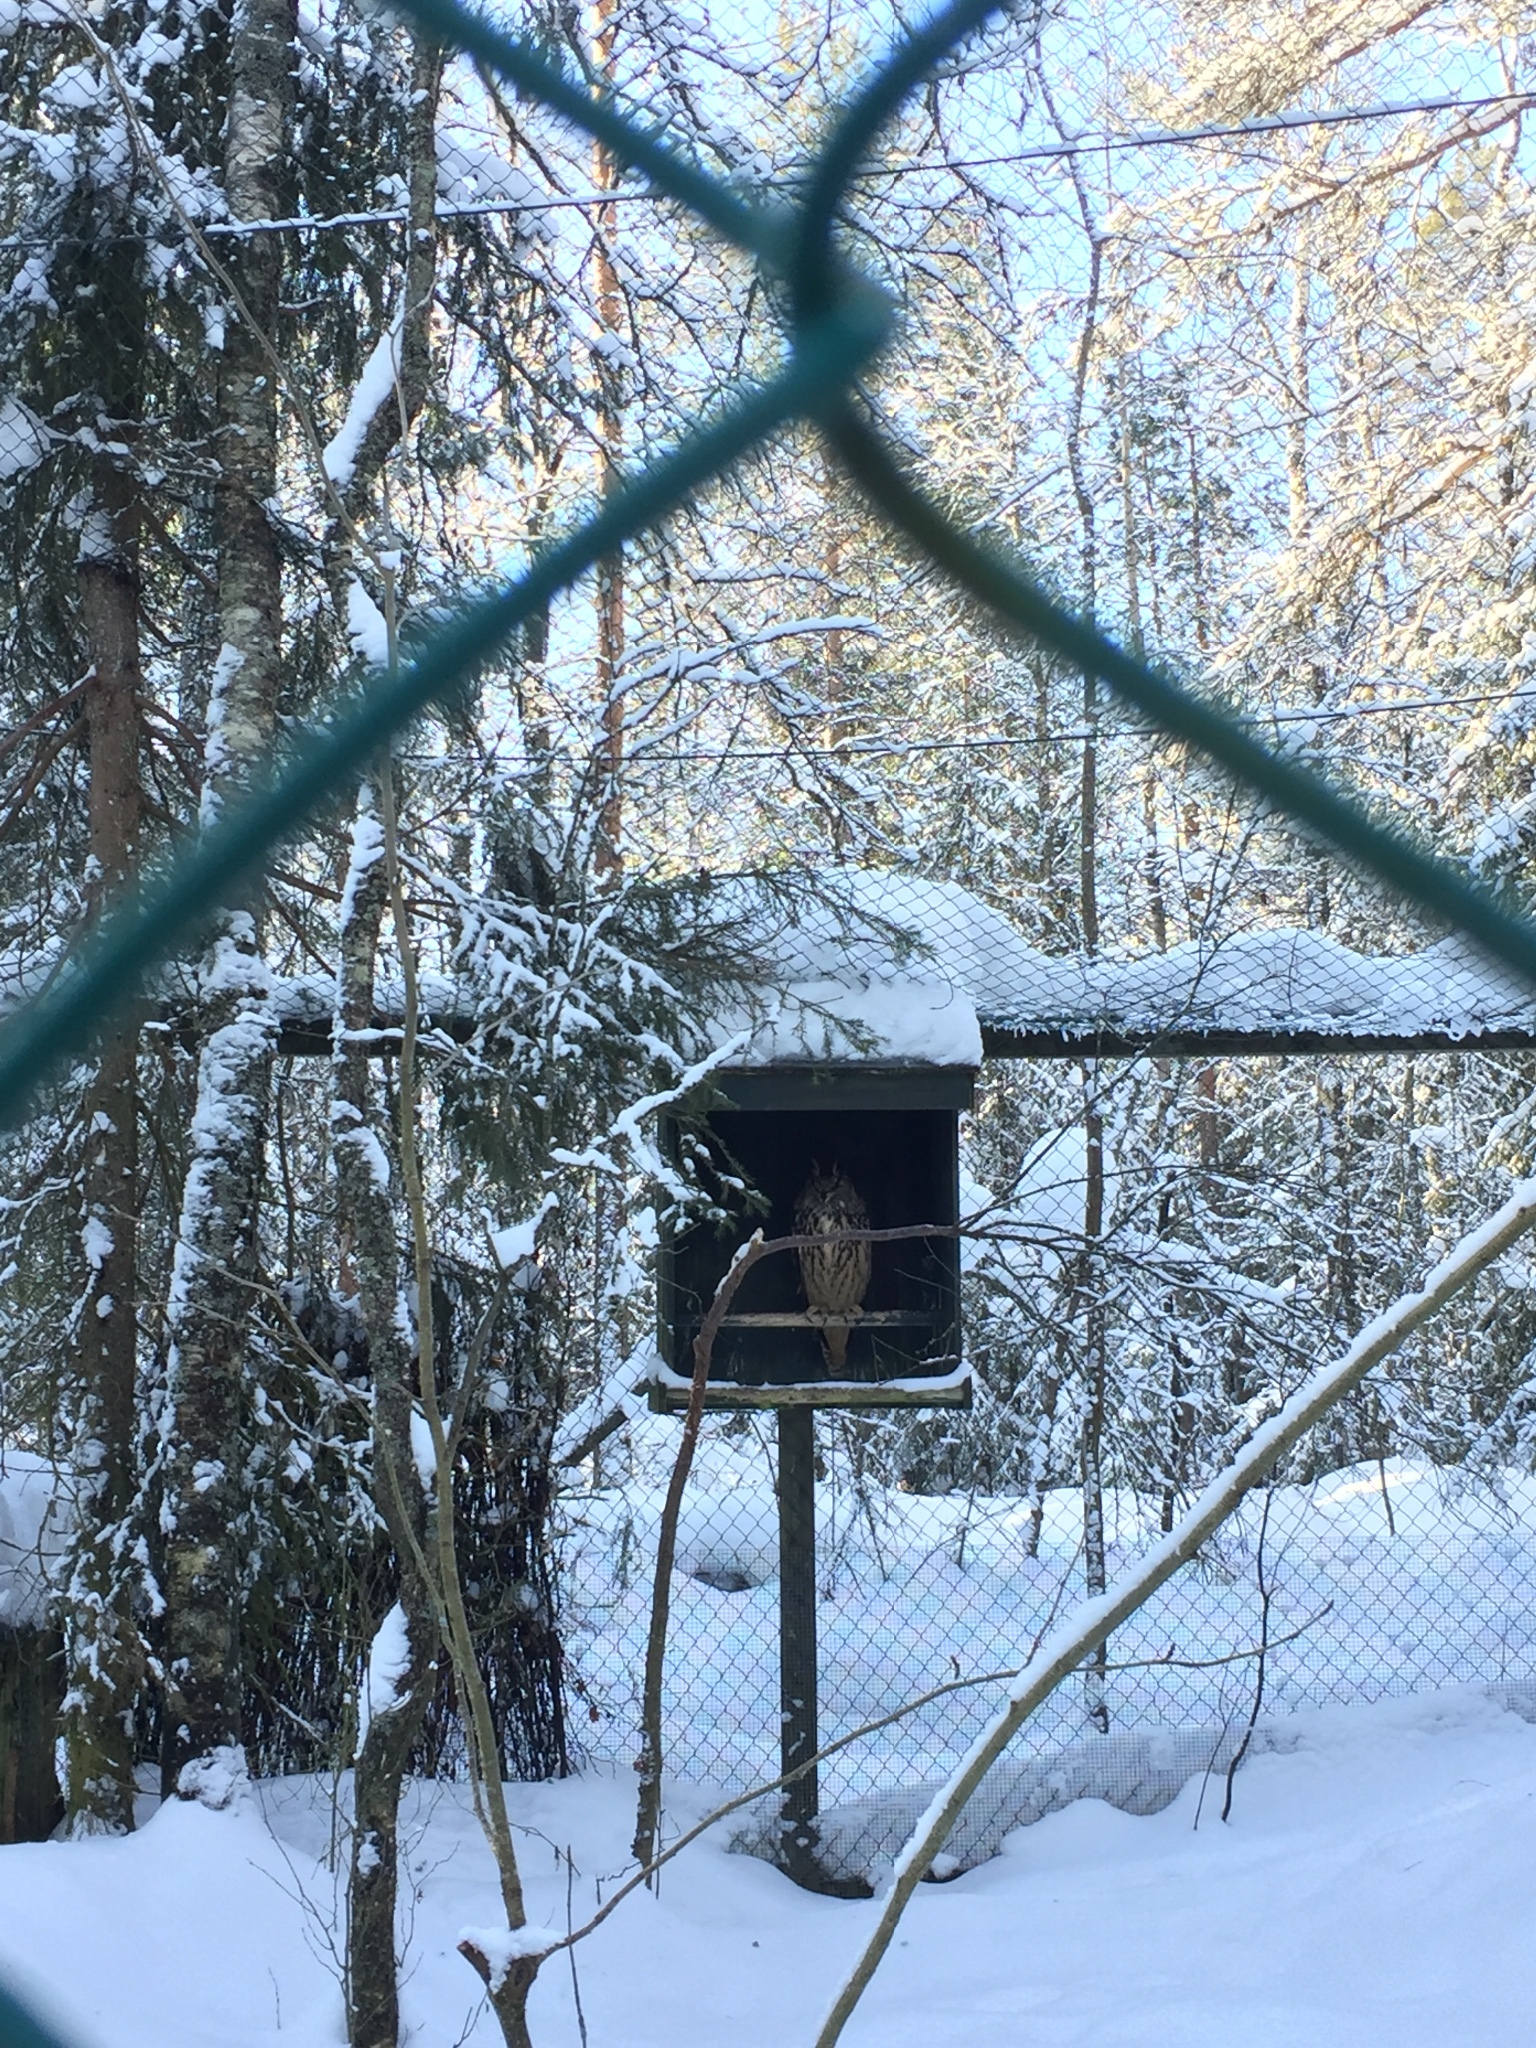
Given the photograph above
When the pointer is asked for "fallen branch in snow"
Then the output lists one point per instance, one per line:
(1097, 1618)
(595, 1438)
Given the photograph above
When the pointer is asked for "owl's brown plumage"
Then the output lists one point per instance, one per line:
(835, 1276)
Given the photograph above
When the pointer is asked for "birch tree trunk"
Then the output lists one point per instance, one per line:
(402, 1663)
(205, 1425)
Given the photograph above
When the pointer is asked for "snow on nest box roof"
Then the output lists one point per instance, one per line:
(904, 1022)
(852, 978)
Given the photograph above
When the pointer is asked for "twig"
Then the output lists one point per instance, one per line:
(485, 1773)
(1266, 1595)
(581, 2018)
(15, 734)
(648, 1814)
(1386, 1495)
(1205, 1775)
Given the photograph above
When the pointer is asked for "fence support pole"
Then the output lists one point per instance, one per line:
(797, 1638)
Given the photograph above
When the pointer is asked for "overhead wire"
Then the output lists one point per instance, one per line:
(1215, 131)
(1087, 144)
(1094, 143)
(859, 748)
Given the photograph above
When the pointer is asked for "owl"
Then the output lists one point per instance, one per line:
(835, 1276)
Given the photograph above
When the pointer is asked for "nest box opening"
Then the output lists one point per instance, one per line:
(887, 1142)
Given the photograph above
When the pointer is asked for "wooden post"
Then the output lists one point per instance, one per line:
(797, 1638)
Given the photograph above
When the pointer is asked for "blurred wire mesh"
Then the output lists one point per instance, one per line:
(1379, 1564)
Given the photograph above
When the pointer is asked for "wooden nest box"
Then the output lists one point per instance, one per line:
(855, 1137)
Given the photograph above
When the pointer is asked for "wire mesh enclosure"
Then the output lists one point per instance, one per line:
(1146, 1256)
(1342, 1585)
(1111, 1314)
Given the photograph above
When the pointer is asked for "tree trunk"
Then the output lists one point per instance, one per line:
(366, 1217)
(1298, 419)
(217, 1253)
(610, 570)
(366, 1214)
(392, 421)
(30, 1690)
(1089, 1294)
(103, 1650)
(508, 1989)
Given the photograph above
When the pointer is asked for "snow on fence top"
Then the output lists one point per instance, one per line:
(1278, 990)
(897, 946)
(862, 966)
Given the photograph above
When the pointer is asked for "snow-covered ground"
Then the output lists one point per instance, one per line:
(1384, 1580)
(1372, 1886)
(1372, 1890)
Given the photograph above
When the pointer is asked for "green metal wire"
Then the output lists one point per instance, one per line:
(754, 227)
(1390, 855)
(814, 272)
(20, 2028)
(838, 325)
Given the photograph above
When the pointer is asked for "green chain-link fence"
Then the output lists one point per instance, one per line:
(1366, 1581)
(1335, 1547)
